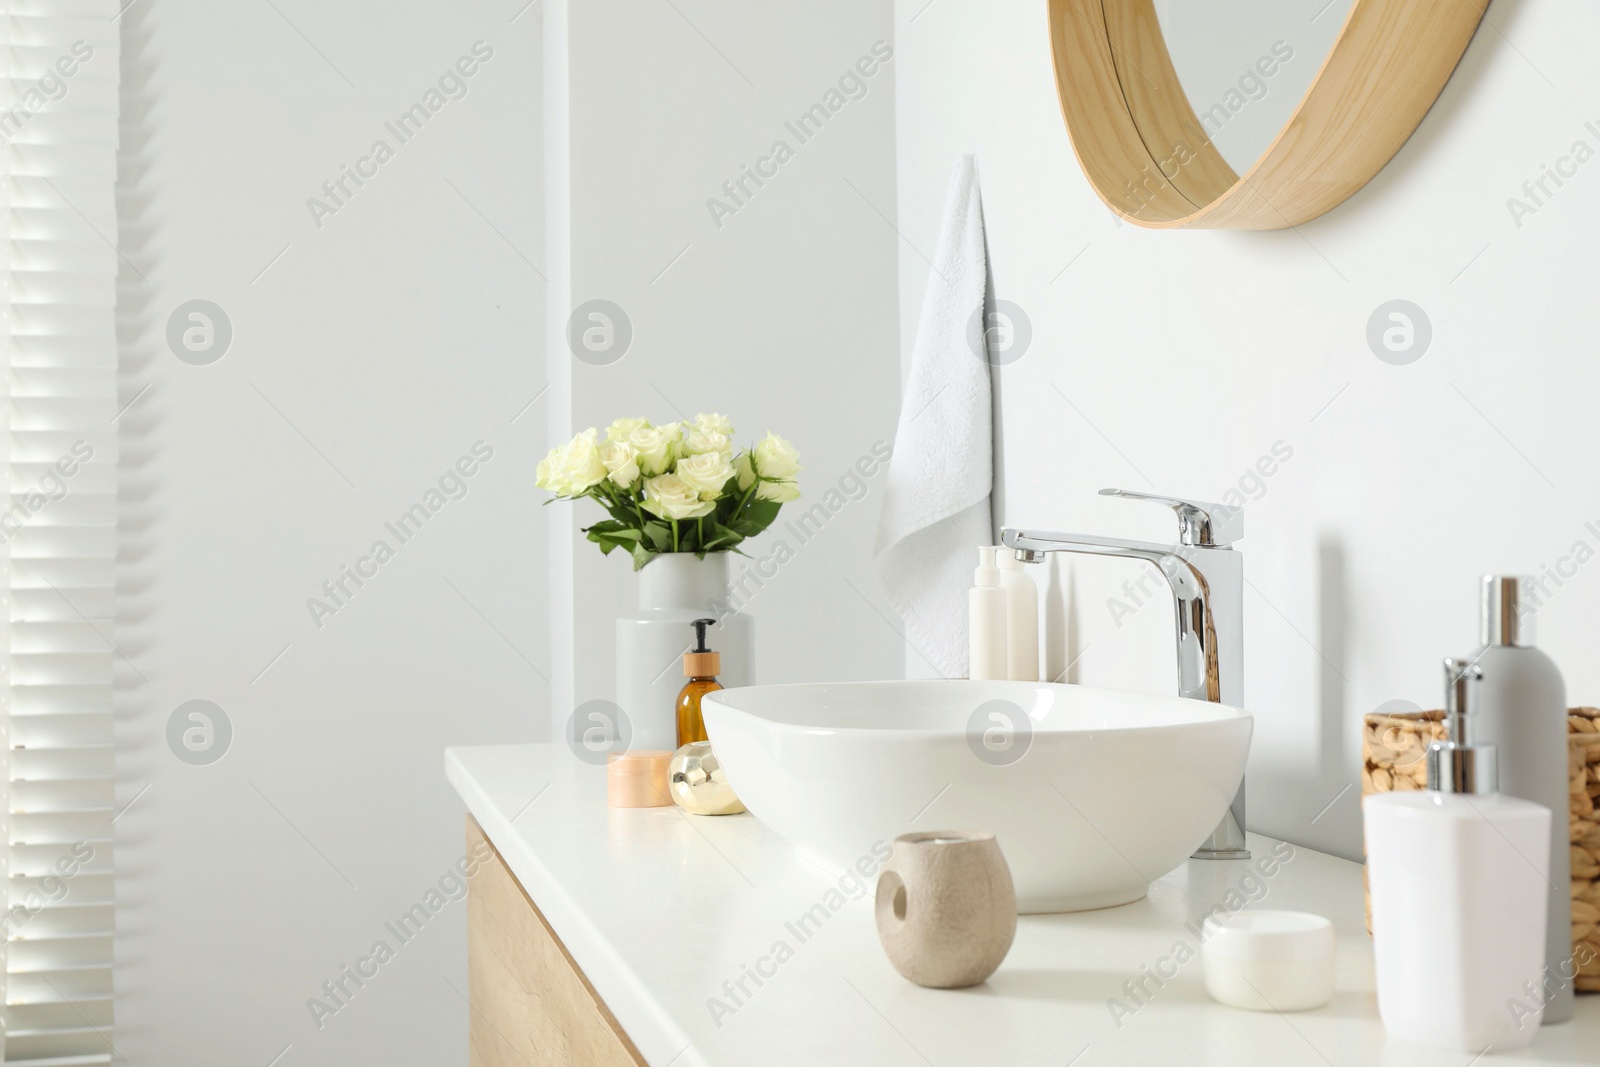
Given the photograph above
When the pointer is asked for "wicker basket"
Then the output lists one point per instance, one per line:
(1394, 748)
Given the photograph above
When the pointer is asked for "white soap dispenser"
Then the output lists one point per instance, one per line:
(1458, 895)
(986, 620)
(1022, 618)
(1522, 711)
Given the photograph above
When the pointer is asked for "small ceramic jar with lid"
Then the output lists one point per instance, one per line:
(638, 779)
(1269, 960)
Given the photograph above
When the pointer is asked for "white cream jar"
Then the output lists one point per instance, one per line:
(1269, 960)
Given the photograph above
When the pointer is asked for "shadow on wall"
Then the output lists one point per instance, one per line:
(1331, 647)
(1341, 820)
(1453, 111)
(1328, 799)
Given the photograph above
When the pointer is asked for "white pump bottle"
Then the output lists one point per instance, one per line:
(1022, 618)
(986, 620)
(1459, 896)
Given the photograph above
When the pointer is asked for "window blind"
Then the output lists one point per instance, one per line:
(58, 158)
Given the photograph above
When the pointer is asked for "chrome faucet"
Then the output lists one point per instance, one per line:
(1207, 580)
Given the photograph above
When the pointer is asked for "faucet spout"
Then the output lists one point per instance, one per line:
(1207, 588)
(1207, 585)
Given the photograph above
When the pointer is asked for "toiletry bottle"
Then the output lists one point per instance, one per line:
(1458, 895)
(700, 666)
(986, 620)
(1022, 618)
(1522, 711)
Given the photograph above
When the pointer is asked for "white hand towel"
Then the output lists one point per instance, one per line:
(936, 503)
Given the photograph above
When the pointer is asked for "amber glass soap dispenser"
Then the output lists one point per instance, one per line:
(701, 666)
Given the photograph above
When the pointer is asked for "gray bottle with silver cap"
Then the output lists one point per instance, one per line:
(1522, 710)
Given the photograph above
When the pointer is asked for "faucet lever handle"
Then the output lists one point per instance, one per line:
(1199, 523)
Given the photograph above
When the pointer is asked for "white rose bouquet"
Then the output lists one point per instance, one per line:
(678, 487)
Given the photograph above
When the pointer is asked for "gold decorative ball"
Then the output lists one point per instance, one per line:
(698, 783)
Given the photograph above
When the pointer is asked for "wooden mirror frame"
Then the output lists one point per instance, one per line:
(1147, 154)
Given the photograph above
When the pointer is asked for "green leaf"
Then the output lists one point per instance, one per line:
(659, 535)
(610, 529)
(641, 556)
(720, 537)
(762, 512)
(609, 535)
(622, 512)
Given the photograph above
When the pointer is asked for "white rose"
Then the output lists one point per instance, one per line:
(776, 458)
(698, 442)
(653, 447)
(673, 432)
(779, 492)
(621, 428)
(573, 468)
(705, 473)
(670, 497)
(621, 463)
(714, 423)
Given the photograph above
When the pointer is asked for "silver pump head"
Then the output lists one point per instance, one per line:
(1506, 610)
(1458, 765)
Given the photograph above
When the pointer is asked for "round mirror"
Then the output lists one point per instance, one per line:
(1251, 114)
(1244, 66)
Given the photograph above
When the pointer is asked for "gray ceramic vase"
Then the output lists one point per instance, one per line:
(946, 908)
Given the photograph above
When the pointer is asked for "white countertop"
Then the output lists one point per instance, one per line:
(660, 909)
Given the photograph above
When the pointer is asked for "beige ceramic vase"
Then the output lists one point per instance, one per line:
(946, 908)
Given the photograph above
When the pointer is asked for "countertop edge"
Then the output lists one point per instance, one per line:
(654, 1032)
(653, 958)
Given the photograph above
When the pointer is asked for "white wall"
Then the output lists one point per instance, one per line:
(364, 362)
(1176, 360)
(781, 316)
(406, 327)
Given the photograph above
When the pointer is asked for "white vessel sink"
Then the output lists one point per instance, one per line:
(1109, 792)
